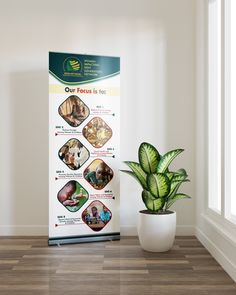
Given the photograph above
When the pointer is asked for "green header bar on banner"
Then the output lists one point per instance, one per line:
(75, 69)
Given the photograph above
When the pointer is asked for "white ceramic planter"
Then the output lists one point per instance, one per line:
(156, 231)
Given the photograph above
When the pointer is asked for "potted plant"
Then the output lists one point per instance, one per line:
(160, 185)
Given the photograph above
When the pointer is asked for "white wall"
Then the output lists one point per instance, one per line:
(156, 42)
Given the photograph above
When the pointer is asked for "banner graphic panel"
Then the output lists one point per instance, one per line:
(84, 126)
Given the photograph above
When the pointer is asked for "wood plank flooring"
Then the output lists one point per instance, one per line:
(29, 267)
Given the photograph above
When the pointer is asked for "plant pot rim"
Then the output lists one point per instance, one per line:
(165, 213)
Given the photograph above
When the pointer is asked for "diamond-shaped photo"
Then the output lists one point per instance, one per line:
(72, 196)
(73, 153)
(98, 174)
(73, 110)
(97, 132)
(96, 215)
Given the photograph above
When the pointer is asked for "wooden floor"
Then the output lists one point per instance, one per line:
(29, 267)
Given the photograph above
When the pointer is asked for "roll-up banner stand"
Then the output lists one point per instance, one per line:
(84, 115)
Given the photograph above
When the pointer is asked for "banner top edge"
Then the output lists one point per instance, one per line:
(87, 54)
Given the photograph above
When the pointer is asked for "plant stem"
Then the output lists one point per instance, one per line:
(165, 209)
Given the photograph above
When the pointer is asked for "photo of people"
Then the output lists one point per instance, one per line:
(98, 174)
(73, 196)
(97, 132)
(96, 215)
(73, 110)
(73, 153)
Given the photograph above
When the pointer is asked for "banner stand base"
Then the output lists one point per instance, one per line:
(83, 239)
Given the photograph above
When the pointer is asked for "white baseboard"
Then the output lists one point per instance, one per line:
(127, 230)
(42, 230)
(24, 230)
(185, 230)
(220, 257)
(181, 230)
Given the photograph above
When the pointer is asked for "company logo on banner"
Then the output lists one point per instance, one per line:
(72, 66)
(84, 107)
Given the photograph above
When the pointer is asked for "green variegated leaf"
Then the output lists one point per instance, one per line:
(158, 184)
(176, 181)
(176, 198)
(182, 172)
(179, 177)
(138, 172)
(158, 204)
(170, 175)
(174, 186)
(148, 200)
(167, 159)
(148, 157)
(152, 203)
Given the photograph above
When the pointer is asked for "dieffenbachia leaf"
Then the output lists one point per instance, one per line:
(182, 171)
(170, 175)
(148, 199)
(151, 202)
(158, 184)
(148, 157)
(167, 159)
(179, 177)
(138, 172)
(174, 186)
(158, 204)
(176, 198)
